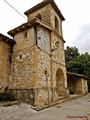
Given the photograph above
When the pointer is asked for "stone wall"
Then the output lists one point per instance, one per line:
(84, 86)
(42, 96)
(23, 41)
(57, 52)
(23, 60)
(45, 16)
(23, 68)
(4, 65)
(58, 22)
(48, 17)
(44, 68)
(77, 85)
(43, 83)
(26, 95)
(58, 63)
(62, 79)
(24, 74)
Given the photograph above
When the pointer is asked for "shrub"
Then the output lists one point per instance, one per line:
(6, 97)
(12, 103)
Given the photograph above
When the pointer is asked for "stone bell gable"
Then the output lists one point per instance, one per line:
(48, 12)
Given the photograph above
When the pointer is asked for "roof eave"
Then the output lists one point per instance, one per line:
(27, 25)
(79, 75)
(7, 39)
(44, 3)
(19, 28)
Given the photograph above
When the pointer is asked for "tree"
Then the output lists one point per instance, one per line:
(71, 53)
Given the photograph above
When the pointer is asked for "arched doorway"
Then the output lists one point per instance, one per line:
(60, 82)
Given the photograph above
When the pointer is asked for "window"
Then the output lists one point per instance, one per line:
(38, 16)
(46, 72)
(56, 23)
(57, 44)
(25, 34)
(20, 56)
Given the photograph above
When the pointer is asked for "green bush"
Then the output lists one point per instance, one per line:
(6, 97)
(12, 103)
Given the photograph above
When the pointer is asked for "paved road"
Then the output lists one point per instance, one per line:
(77, 109)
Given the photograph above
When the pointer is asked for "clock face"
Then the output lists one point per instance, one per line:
(43, 37)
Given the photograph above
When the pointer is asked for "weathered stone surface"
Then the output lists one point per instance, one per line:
(26, 95)
(23, 69)
(48, 17)
(77, 84)
(37, 73)
(45, 16)
(22, 41)
(4, 65)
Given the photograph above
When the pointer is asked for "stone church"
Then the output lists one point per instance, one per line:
(33, 62)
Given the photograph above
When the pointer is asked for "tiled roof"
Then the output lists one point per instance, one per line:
(77, 75)
(6, 39)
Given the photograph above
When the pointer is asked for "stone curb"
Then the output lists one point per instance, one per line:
(38, 108)
(70, 98)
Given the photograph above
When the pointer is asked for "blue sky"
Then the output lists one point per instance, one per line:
(76, 27)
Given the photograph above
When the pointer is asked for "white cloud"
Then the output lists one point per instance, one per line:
(82, 40)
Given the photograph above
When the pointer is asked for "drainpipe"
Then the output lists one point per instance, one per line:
(48, 87)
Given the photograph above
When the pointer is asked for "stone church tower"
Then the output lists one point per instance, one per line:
(38, 63)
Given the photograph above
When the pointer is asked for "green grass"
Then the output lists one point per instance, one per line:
(12, 103)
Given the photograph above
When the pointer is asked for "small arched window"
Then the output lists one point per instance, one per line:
(38, 16)
(25, 34)
(56, 23)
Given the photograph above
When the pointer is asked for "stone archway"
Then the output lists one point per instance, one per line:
(60, 82)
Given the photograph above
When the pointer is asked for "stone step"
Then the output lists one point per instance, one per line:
(61, 97)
